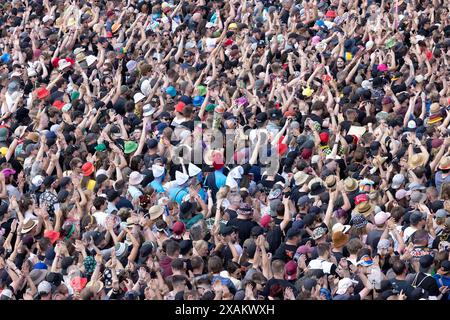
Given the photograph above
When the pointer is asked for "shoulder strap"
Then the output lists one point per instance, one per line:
(415, 280)
(426, 276)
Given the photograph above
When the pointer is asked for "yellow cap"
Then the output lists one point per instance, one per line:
(232, 26)
(307, 92)
(4, 151)
(348, 56)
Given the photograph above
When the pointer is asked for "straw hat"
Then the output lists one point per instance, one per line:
(155, 212)
(116, 26)
(435, 108)
(340, 239)
(417, 160)
(444, 164)
(350, 184)
(330, 181)
(28, 226)
(364, 208)
(300, 178)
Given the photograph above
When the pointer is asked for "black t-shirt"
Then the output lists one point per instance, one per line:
(274, 238)
(427, 283)
(244, 228)
(285, 252)
(400, 285)
(268, 184)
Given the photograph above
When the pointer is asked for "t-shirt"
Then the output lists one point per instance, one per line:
(426, 282)
(373, 237)
(244, 228)
(326, 266)
(400, 285)
(285, 252)
(347, 297)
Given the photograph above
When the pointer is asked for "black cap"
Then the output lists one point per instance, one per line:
(226, 230)
(275, 114)
(152, 143)
(187, 208)
(256, 231)
(426, 261)
(49, 180)
(185, 246)
(3, 208)
(261, 118)
(293, 232)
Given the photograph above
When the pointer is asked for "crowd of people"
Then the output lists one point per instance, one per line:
(224, 150)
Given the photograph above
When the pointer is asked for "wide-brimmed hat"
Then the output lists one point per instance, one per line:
(155, 212)
(130, 146)
(339, 227)
(330, 181)
(350, 184)
(316, 189)
(444, 164)
(417, 160)
(364, 208)
(300, 178)
(135, 178)
(340, 239)
(29, 225)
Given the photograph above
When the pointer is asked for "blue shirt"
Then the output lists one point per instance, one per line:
(157, 186)
(177, 194)
(220, 178)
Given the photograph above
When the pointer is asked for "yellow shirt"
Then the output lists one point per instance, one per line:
(91, 185)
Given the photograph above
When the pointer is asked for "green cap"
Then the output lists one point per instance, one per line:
(74, 96)
(390, 43)
(100, 147)
(130, 146)
(201, 90)
(210, 107)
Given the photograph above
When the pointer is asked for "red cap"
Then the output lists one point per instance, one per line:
(72, 62)
(306, 153)
(361, 198)
(109, 13)
(178, 228)
(264, 222)
(330, 14)
(58, 104)
(324, 137)
(436, 143)
(88, 169)
(228, 42)
(290, 270)
(55, 62)
(52, 235)
(109, 34)
(42, 93)
(289, 113)
(180, 107)
(282, 147)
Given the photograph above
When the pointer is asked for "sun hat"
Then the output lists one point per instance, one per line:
(350, 184)
(135, 178)
(155, 212)
(444, 164)
(417, 160)
(364, 208)
(88, 169)
(340, 239)
(181, 178)
(29, 225)
(130, 147)
(138, 97)
(90, 60)
(157, 170)
(300, 178)
(330, 181)
(148, 110)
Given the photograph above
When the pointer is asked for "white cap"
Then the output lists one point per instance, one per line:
(236, 173)
(31, 72)
(315, 159)
(55, 127)
(44, 287)
(101, 171)
(210, 25)
(411, 124)
(340, 227)
(46, 18)
(37, 180)
(193, 170)
(369, 44)
(90, 60)
(7, 293)
(145, 87)
(181, 178)
(138, 97)
(344, 284)
(231, 182)
(419, 78)
(158, 170)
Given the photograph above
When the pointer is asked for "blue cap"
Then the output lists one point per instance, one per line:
(40, 266)
(320, 23)
(50, 135)
(171, 91)
(161, 126)
(198, 101)
(186, 99)
(5, 58)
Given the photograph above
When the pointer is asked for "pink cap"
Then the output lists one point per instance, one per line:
(381, 217)
(382, 67)
(315, 40)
